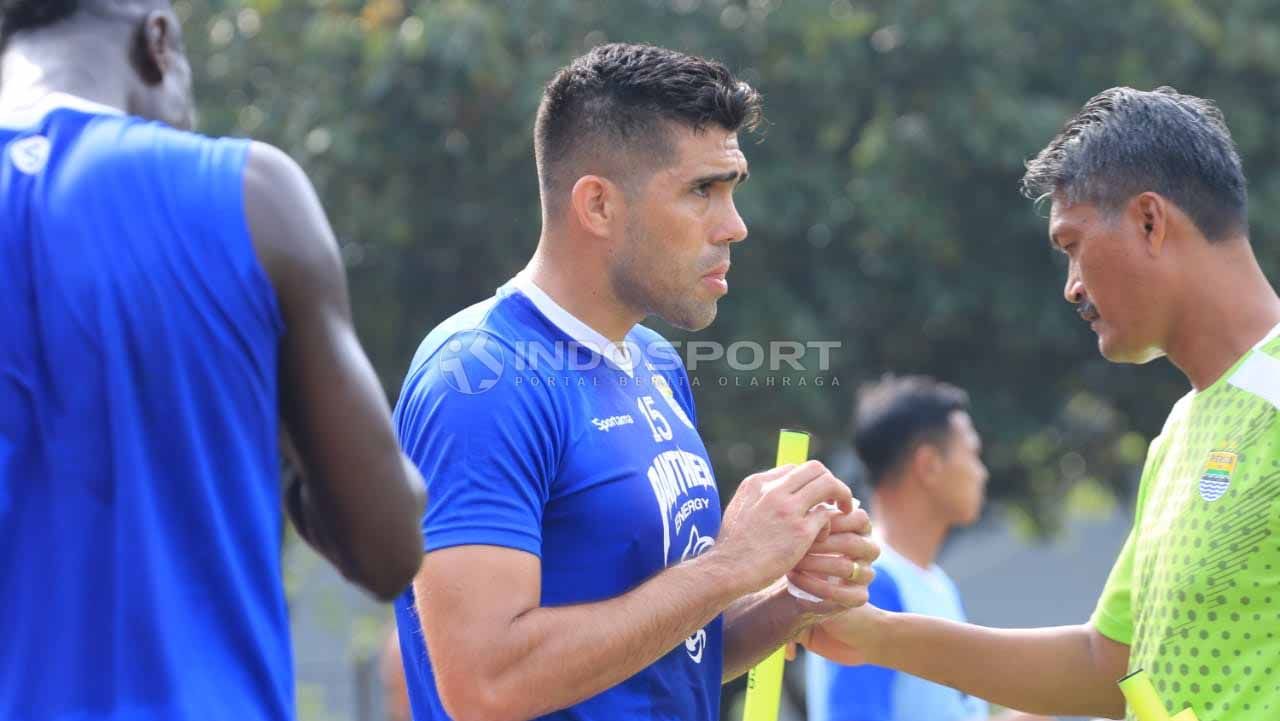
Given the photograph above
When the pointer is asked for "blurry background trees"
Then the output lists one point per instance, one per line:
(883, 204)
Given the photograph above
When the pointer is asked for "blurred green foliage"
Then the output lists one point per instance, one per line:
(883, 204)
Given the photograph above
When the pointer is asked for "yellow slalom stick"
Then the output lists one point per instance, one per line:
(764, 682)
(1145, 702)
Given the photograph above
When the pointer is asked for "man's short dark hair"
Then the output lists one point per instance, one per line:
(19, 15)
(612, 109)
(1124, 142)
(896, 415)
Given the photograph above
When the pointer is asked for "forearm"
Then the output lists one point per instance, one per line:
(758, 624)
(1049, 670)
(552, 657)
(298, 505)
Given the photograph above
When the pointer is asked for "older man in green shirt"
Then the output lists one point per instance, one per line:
(1149, 206)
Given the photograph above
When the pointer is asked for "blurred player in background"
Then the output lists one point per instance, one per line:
(923, 458)
(167, 298)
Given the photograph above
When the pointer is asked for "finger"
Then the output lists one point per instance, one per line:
(849, 545)
(818, 520)
(770, 476)
(856, 521)
(791, 650)
(800, 476)
(837, 592)
(865, 576)
(756, 484)
(825, 488)
(838, 566)
(824, 533)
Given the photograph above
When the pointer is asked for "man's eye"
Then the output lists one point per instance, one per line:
(703, 190)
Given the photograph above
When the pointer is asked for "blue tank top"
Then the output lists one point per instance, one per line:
(140, 523)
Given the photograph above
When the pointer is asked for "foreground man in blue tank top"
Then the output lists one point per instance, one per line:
(577, 566)
(166, 298)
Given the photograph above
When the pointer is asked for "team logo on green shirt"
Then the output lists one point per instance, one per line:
(1217, 474)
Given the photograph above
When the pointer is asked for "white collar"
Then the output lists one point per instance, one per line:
(581, 333)
(28, 114)
(889, 553)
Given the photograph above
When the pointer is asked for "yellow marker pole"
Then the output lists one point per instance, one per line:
(764, 682)
(1145, 702)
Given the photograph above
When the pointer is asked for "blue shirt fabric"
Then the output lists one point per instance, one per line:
(871, 693)
(140, 518)
(530, 439)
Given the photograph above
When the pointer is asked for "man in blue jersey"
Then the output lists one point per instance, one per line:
(923, 458)
(167, 298)
(577, 565)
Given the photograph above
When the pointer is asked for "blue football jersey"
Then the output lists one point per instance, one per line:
(140, 519)
(534, 433)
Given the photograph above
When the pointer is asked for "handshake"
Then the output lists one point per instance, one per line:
(801, 522)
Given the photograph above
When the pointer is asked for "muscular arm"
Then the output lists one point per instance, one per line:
(498, 655)
(357, 499)
(1067, 670)
(756, 625)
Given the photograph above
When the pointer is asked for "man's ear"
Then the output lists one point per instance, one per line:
(153, 47)
(1150, 212)
(596, 203)
(925, 461)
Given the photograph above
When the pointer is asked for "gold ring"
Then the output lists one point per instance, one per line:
(853, 575)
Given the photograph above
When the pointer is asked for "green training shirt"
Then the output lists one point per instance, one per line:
(1195, 592)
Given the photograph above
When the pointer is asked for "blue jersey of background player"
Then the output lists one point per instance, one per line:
(923, 460)
(576, 564)
(167, 297)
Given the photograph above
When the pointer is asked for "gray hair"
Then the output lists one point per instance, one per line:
(1124, 142)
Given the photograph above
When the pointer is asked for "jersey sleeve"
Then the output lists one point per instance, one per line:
(855, 693)
(485, 442)
(1113, 614)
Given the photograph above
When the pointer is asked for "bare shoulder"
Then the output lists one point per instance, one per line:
(290, 232)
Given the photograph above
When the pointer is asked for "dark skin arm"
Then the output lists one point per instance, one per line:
(355, 498)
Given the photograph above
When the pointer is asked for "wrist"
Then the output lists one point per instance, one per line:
(800, 614)
(878, 631)
(725, 573)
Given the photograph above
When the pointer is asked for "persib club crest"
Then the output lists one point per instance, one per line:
(1217, 474)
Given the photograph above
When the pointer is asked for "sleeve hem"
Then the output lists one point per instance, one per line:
(1112, 628)
(439, 540)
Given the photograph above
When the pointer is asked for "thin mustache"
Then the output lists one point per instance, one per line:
(1086, 310)
(716, 265)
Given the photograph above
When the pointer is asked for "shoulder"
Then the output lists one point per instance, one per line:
(135, 138)
(122, 151)
(269, 169)
(500, 327)
(288, 225)
(477, 359)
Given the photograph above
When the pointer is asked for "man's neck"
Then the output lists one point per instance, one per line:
(32, 69)
(909, 525)
(583, 290)
(1234, 310)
